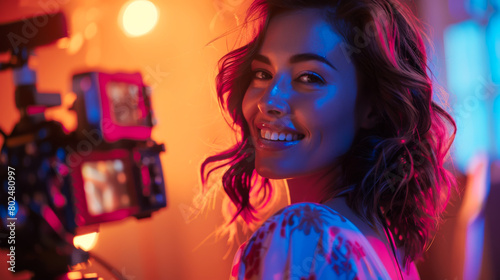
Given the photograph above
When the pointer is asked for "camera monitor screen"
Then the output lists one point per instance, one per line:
(125, 107)
(105, 185)
(117, 105)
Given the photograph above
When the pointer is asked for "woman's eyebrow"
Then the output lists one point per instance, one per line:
(262, 58)
(297, 58)
(310, 56)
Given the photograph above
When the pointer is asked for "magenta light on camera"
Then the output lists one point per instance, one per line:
(117, 105)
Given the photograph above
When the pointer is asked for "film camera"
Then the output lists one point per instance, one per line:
(57, 184)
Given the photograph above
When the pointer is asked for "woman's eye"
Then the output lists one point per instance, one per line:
(309, 78)
(261, 75)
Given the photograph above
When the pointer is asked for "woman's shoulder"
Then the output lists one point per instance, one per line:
(307, 240)
(306, 217)
(307, 208)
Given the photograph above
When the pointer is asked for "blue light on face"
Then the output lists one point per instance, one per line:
(466, 64)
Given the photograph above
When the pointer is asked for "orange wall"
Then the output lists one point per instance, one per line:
(189, 122)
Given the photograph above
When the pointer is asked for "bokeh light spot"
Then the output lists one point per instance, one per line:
(139, 17)
(63, 43)
(90, 30)
(75, 43)
(86, 241)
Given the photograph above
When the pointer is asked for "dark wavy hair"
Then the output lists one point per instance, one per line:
(394, 171)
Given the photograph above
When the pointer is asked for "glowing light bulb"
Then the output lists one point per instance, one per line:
(86, 241)
(74, 275)
(138, 17)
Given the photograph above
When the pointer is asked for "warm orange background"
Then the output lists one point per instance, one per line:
(175, 60)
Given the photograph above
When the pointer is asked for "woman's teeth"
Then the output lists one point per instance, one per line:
(275, 136)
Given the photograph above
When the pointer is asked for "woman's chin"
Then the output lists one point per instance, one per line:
(270, 173)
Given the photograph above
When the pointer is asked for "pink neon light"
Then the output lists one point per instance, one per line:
(51, 218)
(62, 169)
(59, 200)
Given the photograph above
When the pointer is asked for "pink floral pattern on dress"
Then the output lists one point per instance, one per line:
(307, 241)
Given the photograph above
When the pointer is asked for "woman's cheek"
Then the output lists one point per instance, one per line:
(249, 105)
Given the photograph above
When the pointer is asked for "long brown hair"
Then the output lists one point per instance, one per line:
(397, 166)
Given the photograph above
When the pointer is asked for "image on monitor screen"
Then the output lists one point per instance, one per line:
(124, 103)
(105, 185)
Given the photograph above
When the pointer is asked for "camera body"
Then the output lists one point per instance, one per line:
(61, 183)
(116, 166)
(106, 170)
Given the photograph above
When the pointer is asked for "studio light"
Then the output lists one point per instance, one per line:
(138, 17)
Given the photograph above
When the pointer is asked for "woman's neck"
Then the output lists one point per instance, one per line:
(312, 187)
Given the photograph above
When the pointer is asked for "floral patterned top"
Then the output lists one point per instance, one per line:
(307, 241)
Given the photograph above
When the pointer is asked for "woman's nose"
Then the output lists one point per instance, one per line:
(274, 101)
(272, 107)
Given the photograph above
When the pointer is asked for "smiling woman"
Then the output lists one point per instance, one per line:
(295, 88)
(350, 124)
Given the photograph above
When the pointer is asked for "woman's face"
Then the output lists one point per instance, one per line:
(302, 97)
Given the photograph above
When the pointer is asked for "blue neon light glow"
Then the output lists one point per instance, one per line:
(476, 7)
(466, 65)
(496, 123)
(493, 45)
